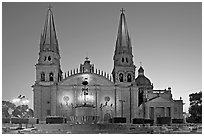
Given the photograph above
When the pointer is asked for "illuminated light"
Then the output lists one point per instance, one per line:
(16, 100)
(86, 77)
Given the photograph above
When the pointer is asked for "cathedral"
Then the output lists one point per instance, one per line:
(88, 92)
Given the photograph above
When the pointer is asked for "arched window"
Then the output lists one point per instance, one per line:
(121, 77)
(122, 59)
(42, 76)
(51, 76)
(127, 60)
(49, 58)
(129, 78)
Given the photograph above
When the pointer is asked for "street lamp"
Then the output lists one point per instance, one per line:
(21, 100)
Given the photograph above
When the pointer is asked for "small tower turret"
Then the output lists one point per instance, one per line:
(87, 67)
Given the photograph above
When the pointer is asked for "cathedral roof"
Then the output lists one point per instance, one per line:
(123, 39)
(142, 80)
(48, 39)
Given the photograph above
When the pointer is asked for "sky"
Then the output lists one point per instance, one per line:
(166, 38)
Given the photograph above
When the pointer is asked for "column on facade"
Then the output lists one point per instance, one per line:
(53, 101)
(165, 111)
(146, 111)
(155, 118)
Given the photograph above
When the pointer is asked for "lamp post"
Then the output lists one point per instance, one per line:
(19, 102)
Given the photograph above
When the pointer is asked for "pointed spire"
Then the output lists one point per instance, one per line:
(123, 39)
(48, 37)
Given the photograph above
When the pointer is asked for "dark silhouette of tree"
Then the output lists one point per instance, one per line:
(195, 109)
(7, 108)
(22, 111)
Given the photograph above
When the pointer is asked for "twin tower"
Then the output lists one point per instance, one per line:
(48, 67)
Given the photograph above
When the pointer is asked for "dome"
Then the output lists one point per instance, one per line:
(142, 80)
(141, 70)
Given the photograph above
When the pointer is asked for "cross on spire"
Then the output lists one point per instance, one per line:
(122, 10)
(86, 58)
(140, 64)
(49, 7)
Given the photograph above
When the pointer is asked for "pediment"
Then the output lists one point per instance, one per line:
(159, 99)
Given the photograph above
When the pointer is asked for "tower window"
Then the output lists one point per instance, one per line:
(129, 78)
(122, 59)
(45, 58)
(49, 58)
(42, 76)
(121, 77)
(127, 60)
(51, 77)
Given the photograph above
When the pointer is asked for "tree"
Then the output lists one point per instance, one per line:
(195, 109)
(7, 108)
(22, 111)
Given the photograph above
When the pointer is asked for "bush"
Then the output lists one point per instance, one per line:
(19, 120)
(117, 120)
(138, 121)
(54, 120)
(177, 121)
(164, 120)
(149, 121)
(6, 120)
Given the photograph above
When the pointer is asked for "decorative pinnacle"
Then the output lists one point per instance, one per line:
(122, 10)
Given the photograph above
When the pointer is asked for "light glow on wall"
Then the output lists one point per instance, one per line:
(86, 77)
(88, 98)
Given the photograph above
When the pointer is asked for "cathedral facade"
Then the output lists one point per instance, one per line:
(91, 92)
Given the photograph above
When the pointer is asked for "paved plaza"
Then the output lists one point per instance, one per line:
(97, 129)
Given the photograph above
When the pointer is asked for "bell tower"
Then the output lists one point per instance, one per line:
(124, 68)
(48, 66)
(48, 71)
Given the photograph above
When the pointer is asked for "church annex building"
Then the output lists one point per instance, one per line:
(87, 92)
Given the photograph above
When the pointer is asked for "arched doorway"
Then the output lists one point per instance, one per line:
(107, 116)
